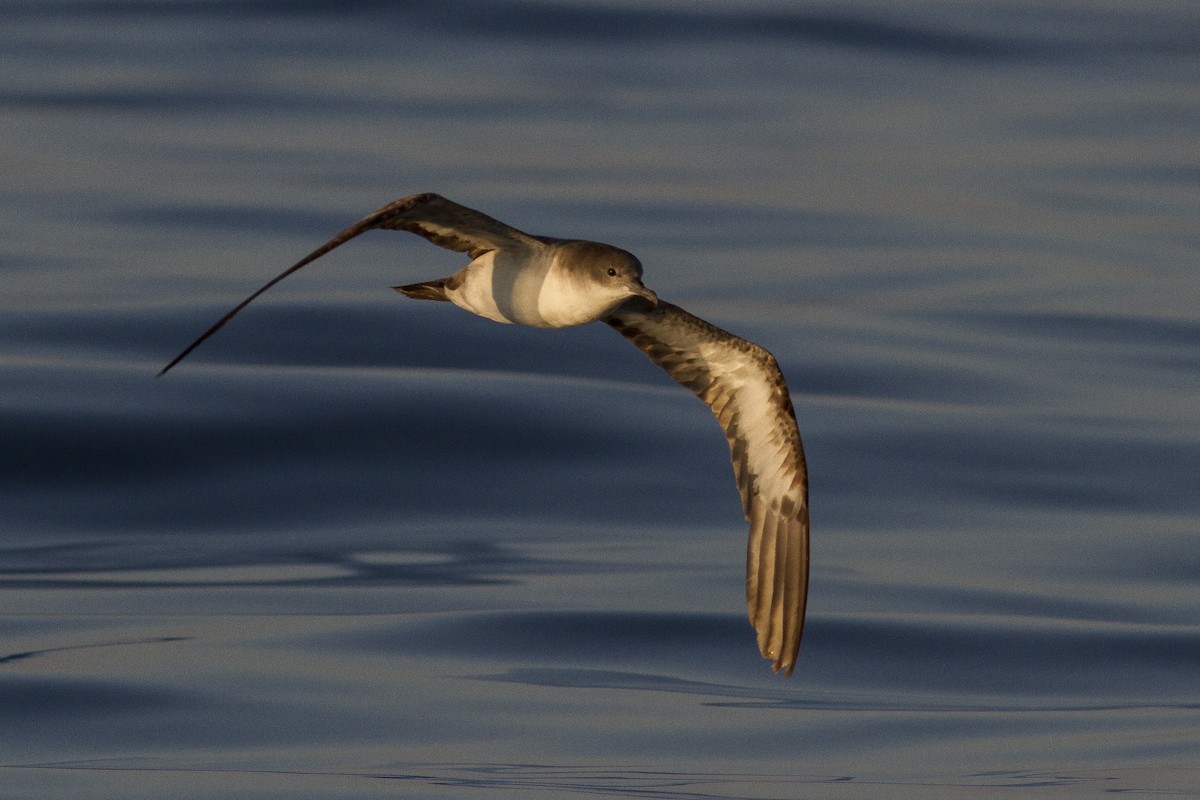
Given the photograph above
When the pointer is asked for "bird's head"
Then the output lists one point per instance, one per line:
(616, 272)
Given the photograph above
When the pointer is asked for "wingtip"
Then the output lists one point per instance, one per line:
(175, 361)
(165, 369)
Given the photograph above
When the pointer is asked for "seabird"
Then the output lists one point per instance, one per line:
(556, 283)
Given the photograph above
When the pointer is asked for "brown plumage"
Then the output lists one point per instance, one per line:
(743, 386)
(548, 282)
(441, 221)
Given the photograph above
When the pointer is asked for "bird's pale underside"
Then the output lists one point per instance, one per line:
(537, 280)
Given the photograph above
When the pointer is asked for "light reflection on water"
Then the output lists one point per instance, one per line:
(361, 546)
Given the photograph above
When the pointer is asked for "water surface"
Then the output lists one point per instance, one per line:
(358, 546)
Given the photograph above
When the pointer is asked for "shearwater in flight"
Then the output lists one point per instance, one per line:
(555, 283)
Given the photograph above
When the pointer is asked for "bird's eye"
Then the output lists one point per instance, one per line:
(612, 272)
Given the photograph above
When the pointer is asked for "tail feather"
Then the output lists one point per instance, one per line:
(426, 290)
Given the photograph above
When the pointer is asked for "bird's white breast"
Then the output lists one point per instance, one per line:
(501, 287)
(528, 289)
(569, 298)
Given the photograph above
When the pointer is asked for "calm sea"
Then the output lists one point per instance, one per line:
(362, 547)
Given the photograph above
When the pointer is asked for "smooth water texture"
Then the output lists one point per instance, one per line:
(358, 546)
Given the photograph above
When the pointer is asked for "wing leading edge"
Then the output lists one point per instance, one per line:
(742, 384)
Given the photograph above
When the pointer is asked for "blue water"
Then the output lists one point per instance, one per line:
(357, 546)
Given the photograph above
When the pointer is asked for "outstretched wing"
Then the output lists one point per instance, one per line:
(445, 223)
(743, 386)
